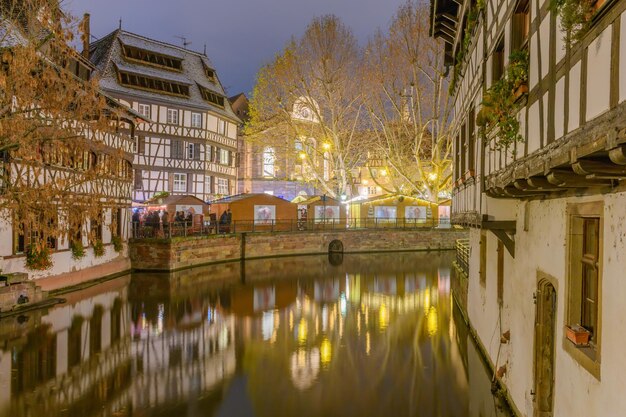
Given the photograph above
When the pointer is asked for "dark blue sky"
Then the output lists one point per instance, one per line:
(241, 35)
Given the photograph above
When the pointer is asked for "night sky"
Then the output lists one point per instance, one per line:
(240, 35)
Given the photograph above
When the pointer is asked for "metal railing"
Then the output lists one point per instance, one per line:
(463, 254)
(143, 230)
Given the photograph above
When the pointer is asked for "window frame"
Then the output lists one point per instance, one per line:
(179, 178)
(145, 107)
(195, 116)
(589, 357)
(172, 117)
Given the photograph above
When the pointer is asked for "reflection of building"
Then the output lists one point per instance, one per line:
(77, 357)
(190, 145)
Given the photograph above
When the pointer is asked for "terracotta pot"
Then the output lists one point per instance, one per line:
(521, 89)
(577, 335)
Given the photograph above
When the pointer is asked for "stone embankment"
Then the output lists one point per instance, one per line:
(185, 252)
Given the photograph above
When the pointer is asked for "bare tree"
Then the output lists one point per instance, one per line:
(409, 109)
(307, 106)
(60, 165)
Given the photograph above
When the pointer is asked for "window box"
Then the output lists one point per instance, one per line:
(578, 335)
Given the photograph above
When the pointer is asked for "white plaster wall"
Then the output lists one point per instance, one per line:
(544, 33)
(559, 108)
(574, 98)
(534, 138)
(599, 74)
(543, 247)
(622, 59)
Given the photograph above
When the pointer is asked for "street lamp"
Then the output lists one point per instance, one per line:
(326, 146)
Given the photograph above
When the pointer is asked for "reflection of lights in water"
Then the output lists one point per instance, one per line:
(302, 331)
(223, 339)
(367, 343)
(431, 321)
(290, 321)
(209, 315)
(144, 322)
(343, 302)
(325, 352)
(304, 367)
(383, 317)
(267, 325)
(426, 300)
(347, 286)
(317, 324)
(358, 323)
(324, 318)
(366, 314)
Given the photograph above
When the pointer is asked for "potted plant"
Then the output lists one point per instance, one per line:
(38, 257)
(517, 73)
(117, 243)
(76, 246)
(98, 248)
(578, 335)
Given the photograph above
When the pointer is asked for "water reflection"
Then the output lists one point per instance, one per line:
(371, 335)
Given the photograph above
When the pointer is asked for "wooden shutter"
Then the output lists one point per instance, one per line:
(190, 183)
(196, 151)
(170, 186)
(141, 144)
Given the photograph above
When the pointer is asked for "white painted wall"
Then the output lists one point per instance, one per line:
(543, 247)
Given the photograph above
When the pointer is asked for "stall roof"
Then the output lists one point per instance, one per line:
(388, 196)
(240, 197)
(316, 198)
(173, 199)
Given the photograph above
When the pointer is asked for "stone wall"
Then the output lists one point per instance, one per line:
(178, 253)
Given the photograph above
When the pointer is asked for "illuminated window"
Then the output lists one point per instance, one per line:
(269, 159)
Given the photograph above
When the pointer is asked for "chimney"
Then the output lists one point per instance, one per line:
(86, 35)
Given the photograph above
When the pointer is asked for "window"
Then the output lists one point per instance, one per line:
(176, 150)
(32, 233)
(584, 280)
(144, 110)
(372, 190)
(471, 158)
(221, 127)
(207, 184)
(143, 82)
(269, 159)
(385, 212)
(133, 53)
(141, 144)
(209, 153)
(520, 26)
(212, 97)
(222, 186)
(482, 272)
(180, 182)
(196, 120)
(224, 157)
(497, 62)
(96, 226)
(172, 116)
(138, 179)
(193, 151)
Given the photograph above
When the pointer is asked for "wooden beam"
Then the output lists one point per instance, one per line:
(565, 178)
(590, 167)
(507, 241)
(505, 225)
(541, 183)
(618, 155)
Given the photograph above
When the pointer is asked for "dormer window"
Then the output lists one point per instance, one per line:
(210, 74)
(212, 97)
(143, 56)
(143, 82)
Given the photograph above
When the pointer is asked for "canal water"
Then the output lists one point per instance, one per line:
(353, 335)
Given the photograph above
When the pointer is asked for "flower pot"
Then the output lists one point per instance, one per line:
(521, 89)
(577, 335)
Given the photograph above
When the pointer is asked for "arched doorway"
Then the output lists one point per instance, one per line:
(545, 322)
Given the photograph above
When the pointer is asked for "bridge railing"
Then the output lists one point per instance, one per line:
(463, 254)
(142, 230)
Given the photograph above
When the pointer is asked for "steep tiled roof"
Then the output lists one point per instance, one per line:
(107, 55)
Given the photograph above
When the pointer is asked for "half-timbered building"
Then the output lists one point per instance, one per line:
(540, 159)
(190, 145)
(107, 157)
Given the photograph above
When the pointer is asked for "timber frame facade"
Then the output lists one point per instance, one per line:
(108, 153)
(546, 211)
(190, 145)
